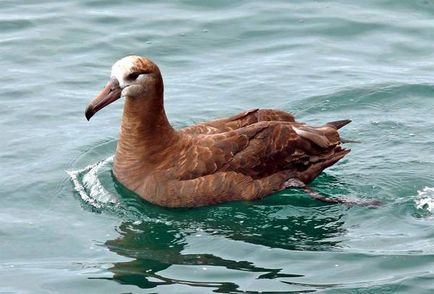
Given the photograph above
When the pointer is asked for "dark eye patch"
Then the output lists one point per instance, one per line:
(132, 76)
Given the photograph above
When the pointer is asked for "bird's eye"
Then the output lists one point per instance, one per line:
(133, 76)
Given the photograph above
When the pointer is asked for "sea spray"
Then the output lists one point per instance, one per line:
(425, 199)
(89, 186)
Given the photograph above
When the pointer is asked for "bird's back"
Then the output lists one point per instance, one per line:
(238, 121)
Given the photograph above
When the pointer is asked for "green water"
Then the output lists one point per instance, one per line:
(370, 61)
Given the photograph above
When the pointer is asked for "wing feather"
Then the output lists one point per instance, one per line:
(261, 149)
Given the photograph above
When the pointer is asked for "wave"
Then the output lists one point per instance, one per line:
(425, 199)
(87, 183)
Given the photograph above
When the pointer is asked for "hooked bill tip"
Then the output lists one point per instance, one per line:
(89, 112)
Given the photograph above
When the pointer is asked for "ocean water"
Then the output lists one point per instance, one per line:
(67, 226)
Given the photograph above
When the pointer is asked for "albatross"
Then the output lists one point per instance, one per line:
(243, 157)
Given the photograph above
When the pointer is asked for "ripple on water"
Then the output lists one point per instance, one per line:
(425, 199)
(90, 188)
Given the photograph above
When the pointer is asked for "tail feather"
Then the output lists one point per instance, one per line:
(339, 123)
(317, 166)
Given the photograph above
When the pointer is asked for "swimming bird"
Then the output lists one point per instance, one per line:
(243, 157)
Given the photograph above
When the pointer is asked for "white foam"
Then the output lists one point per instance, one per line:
(89, 187)
(425, 199)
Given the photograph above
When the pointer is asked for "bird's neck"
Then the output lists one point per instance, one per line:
(144, 136)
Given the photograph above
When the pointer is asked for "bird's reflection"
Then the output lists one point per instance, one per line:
(155, 238)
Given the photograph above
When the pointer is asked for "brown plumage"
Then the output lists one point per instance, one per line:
(243, 157)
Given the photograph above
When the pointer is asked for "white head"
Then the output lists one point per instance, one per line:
(133, 77)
